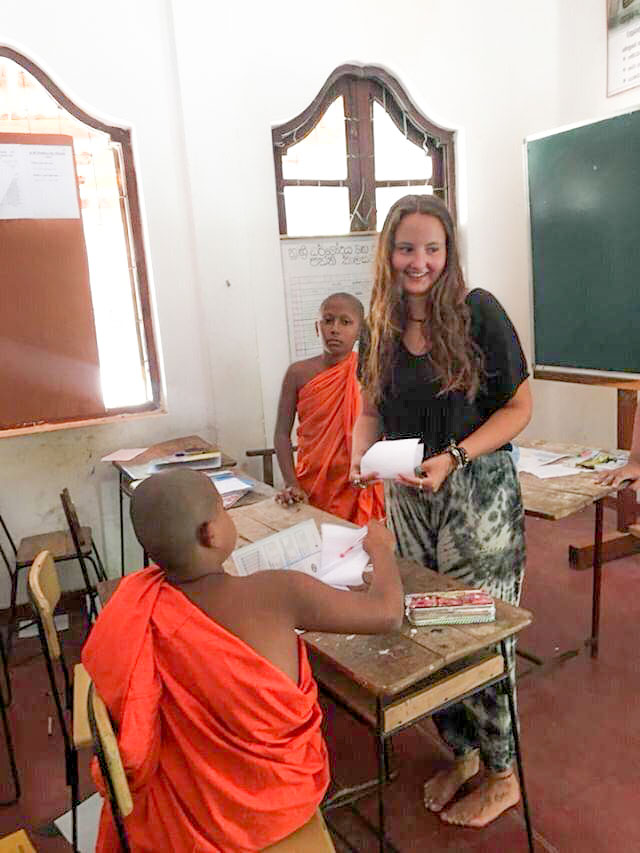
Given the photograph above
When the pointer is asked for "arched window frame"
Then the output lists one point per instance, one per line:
(134, 241)
(360, 86)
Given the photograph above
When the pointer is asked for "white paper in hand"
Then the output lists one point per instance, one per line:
(342, 559)
(389, 459)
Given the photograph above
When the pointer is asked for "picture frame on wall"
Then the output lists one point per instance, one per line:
(623, 45)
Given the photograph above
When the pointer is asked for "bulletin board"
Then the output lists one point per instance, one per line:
(315, 267)
(49, 366)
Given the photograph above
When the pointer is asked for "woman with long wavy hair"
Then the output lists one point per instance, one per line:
(445, 364)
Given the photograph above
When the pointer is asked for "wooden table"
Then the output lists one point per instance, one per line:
(559, 497)
(391, 681)
(143, 465)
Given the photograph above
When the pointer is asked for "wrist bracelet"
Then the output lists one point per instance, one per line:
(458, 454)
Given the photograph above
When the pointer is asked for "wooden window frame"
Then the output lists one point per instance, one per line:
(360, 86)
(134, 242)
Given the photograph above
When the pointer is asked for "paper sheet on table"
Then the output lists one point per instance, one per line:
(547, 472)
(338, 570)
(530, 459)
(296, 548)
(300, 548)
(124, 455)
(226, 482)
(545, 465)
(388, 459)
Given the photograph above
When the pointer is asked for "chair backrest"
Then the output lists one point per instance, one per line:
(106, 747)
(72, 520)
(44, 592)
(267, 454)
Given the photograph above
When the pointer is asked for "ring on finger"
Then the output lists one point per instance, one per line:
(418, 471)
(421, 486)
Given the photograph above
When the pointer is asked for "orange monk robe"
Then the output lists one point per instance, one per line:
(223, 752)
(328, 407)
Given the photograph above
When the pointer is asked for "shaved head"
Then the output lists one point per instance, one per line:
(354, 303)
(168, 511)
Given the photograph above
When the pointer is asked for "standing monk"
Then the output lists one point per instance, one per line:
(324, 392)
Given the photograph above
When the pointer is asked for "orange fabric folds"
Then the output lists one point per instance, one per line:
(328, 407)
(223, 752)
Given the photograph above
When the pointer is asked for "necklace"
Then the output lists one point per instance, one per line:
(417, 319)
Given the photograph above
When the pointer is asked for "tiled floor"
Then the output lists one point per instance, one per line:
(580, 728)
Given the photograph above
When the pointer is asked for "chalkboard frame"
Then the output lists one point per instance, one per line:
(542, 370)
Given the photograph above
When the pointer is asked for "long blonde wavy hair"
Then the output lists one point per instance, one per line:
(457, 360)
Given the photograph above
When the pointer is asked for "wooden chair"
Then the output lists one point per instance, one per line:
(313, 837)
(62, 548)
(44, 592)
(267, 454)
(75, 531)
(17, 842)
(106, 749)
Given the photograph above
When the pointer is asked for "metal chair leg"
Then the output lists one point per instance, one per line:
(8, 697)
(103, 573)
(516, 738)
(73, 779)
(12, 629)
(7, 732)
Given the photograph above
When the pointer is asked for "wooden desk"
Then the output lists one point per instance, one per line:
(391, 681)
(560, 497)
(142, 466)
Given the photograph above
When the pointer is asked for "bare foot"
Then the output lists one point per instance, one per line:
(496, 794)
(443, 786)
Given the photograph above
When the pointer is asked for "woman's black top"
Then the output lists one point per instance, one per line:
(410, 404)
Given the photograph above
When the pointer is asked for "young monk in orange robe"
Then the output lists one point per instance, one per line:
(324, 392)
(208, 684)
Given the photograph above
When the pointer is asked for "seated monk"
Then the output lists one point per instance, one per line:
(324, 392)
(209, 686)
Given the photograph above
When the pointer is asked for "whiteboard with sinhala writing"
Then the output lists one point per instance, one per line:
(315, 267)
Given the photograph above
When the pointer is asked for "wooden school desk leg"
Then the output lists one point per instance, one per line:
(516, 739)
(121, 527)
(597, 580)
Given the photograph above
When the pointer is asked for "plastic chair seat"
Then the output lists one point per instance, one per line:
(59, 544)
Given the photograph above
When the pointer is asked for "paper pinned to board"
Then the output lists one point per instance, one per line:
(389, 459)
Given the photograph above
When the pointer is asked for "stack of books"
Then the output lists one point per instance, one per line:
(452, 607)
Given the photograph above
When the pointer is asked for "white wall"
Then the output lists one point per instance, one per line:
(482, 68)
(202, 84)
(118, 61)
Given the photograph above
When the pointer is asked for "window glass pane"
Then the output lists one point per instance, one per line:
(322, 155)
(395, 157)
(314, 211)
(386, 196)
(27, 107)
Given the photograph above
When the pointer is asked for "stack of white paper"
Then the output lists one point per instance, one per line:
(389, 459)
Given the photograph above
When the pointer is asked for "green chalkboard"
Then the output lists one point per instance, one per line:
(584, 201)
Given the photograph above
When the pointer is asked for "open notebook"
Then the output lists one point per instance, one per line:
(336, 557)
